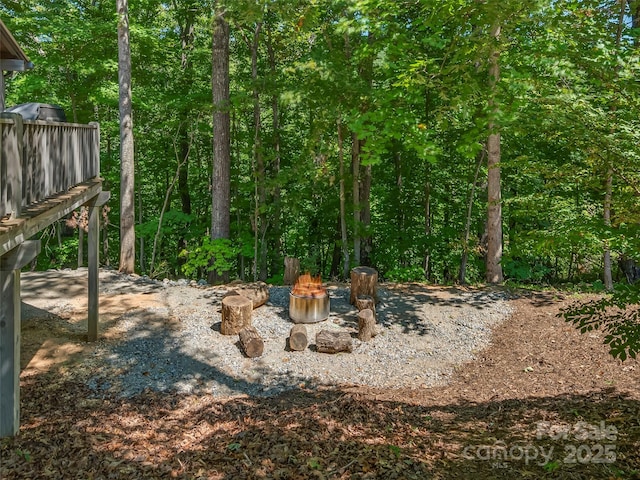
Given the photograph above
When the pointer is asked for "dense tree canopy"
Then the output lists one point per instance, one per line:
(390, 103)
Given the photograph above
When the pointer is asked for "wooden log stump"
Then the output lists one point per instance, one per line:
(291, 270)
(366, 325)
(258, 293)
(364, 281)
(333, 342)
(298, 339)
(236, 314)
(364, 302)
(251, 342)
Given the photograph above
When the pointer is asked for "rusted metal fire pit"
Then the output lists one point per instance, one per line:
(308, 300)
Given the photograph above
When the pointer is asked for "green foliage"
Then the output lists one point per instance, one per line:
(525, 270)
(59, 256)
(405, 274)
(618, 314)
(217, 255)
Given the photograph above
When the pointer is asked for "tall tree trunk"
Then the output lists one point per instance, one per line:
(343, 218)
(462, 276)
(187, 35)
(127, 165)
(260, 220)
(275, 110)
(365, 216)
(221, 173)
(494, 210)
(607, 273)
(355, 172)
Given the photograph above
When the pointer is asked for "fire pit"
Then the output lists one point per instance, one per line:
(308, 301)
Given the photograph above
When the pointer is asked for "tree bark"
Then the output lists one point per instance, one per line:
(364, 281)
(333, 342)
(236, 314)
(260, 195)
(221, 174)
(291, 270)
(275, 111)
(494, 210)
(127, 165)
(366, 302)
(355, 172)
(366, 325)
(298, 337)
(258, 293)
(343, 219)
(462, 276)
(250, 341)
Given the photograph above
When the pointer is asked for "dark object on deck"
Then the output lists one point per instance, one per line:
(39, 111)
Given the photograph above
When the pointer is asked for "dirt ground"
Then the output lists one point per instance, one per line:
(542, 401)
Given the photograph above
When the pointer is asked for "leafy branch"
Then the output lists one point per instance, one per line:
(617, 314)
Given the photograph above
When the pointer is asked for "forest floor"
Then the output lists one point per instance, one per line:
(540, 401)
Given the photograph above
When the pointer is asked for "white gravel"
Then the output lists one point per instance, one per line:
(423, 334)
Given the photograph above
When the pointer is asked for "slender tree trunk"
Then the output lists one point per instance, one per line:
(275, 110)
(365, 217)
(462, 277)
(608, 194)
(355, 172)
(187, 35)
(494, 210)
(343, 218)
(127, 165)
(260, 220)
(221, 173)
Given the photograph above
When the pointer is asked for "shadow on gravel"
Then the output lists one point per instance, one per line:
(163, 360)
(328, 434)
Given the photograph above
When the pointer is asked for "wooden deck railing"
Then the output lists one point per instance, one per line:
(41, 159)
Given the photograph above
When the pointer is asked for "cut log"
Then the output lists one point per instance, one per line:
(298, 339)
(366, 325)
(364, 302)
(258, 293)
(364, 281)
(236, 314)
(251, 342)
(291, 270)
(333, 342)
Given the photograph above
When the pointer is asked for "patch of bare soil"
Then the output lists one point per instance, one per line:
(542, 401)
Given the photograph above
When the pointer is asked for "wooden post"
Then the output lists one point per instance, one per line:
(13, 153)
(10, 265)
(95, 206)
(364, 281)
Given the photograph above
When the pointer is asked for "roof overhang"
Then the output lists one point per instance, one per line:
(12, 58)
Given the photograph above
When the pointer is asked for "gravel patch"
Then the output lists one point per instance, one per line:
(176, 345)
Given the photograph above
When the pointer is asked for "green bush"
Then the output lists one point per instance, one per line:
(217, 255)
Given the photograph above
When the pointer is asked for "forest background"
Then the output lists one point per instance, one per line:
(449, 140)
